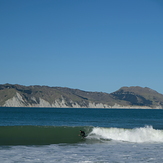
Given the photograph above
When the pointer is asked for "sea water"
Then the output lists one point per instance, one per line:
(52, 135)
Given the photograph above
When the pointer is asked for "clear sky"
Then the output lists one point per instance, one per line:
(92, 45)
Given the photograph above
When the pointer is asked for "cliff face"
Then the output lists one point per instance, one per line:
(43, 96)
(17, 101)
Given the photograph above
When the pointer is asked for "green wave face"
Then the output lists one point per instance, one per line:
(40, 135)
(45, 135)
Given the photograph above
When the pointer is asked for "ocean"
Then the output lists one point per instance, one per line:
(49, 135)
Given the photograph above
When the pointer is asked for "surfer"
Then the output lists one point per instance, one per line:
(82, 133)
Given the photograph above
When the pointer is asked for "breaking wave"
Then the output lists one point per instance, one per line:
(45, 135)
(138, 135)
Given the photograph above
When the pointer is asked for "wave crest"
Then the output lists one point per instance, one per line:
(44, 135)
(139, 135)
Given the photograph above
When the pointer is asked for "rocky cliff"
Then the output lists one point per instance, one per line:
(44, 96)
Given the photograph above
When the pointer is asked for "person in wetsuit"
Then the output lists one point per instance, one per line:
(82, 133)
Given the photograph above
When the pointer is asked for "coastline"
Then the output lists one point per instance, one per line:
(58, 97)
(122, 107)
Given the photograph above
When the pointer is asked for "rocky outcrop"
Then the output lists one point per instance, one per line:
(15, 101)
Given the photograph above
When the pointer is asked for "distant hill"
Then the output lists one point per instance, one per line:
(44, 96)
(139, 96)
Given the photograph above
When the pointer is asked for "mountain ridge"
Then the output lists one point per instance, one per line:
(14, 95)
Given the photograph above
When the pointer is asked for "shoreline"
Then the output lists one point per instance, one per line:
(127, 107)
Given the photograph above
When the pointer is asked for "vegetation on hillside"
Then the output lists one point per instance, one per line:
(133, 96)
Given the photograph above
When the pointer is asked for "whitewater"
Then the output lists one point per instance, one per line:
(136, 135)
(52, 135)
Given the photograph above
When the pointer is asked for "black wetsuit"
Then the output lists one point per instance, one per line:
(82, 133)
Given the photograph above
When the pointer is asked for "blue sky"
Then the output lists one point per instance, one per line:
(92, 45)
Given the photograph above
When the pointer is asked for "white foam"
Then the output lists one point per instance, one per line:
(139, 135)
(83, 152)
